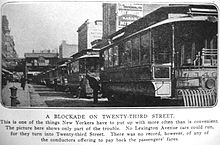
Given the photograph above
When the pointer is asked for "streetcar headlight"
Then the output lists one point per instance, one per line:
(210, 83)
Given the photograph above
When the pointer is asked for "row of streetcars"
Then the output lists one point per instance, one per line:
(71, 75)
(168, 57)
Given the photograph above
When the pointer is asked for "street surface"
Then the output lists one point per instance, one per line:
(51, 98)
(41, 96)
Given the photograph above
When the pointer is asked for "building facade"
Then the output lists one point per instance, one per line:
(66, 50)
(9, 54)
(119, 15)
(109, 19)
(40, 61)
(88, 32)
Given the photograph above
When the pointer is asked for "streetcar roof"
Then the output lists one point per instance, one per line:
(88, 56)
(163, 13)
(34, 72)
(63, 65)
(85, 51)
(170, 20)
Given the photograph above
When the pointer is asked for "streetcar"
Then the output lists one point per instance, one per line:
(51, 77)
(85, 62)
(70, 76)
(166, 58)
(62, 84)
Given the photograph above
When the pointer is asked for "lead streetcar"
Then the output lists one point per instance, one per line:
(83, 63)
(168, 57)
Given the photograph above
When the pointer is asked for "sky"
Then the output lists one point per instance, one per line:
(44, 25)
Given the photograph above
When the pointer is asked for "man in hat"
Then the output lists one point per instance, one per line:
(94, 84)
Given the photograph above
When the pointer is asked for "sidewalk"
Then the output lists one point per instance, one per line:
(23, 96)
(27, 97)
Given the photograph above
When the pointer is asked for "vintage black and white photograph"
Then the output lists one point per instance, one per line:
(109, 54)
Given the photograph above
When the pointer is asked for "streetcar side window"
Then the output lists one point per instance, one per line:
(75, 66)
(111, 53)
(120, 53)
(106, 58)
(68, 68)
(115, 56)
(71, 67)
(82, 66)
(111, 57)
(135, 50)
(127, 53)
(145, 48)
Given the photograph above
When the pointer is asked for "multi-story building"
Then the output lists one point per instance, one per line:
(109, 18)
(119, 15)
(9, 54)
(66, 50)
(40, 61)
(88, 32)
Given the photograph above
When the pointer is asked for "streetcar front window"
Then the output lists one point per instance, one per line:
(196, 43)
(92, 64)
(75, 67)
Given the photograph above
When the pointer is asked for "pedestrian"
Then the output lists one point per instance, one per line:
(94, 84)
(23, 81)
(81, 88)
(4, 80)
